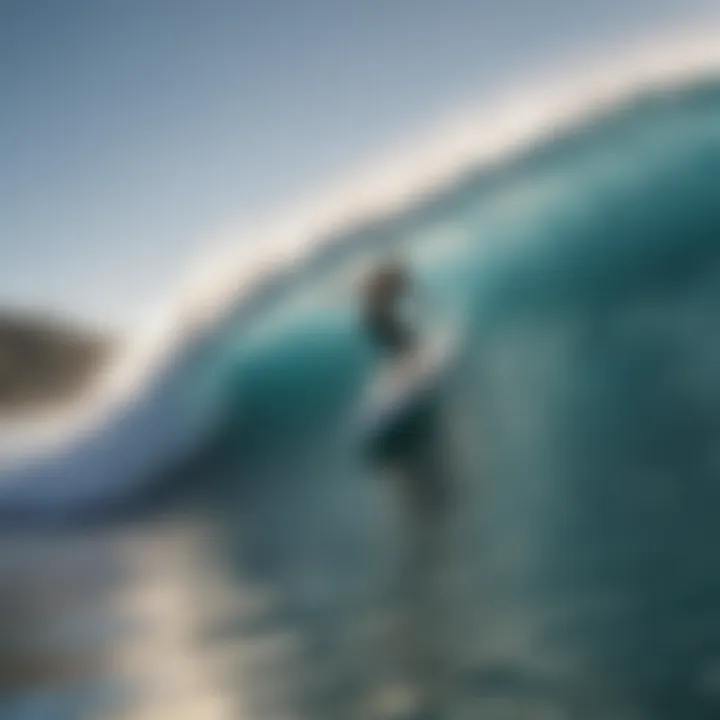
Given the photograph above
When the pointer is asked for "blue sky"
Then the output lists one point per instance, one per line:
(132, 130)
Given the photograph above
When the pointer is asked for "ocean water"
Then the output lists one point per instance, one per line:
(277, 570)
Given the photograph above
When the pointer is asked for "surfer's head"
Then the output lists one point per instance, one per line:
(386, 285)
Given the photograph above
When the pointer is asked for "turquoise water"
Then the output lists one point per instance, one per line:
(271, 577)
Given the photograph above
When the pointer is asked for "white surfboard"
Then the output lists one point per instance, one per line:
(400, 385)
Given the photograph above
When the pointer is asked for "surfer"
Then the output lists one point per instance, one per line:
(408, 439)
(409, 452)
(386, 287)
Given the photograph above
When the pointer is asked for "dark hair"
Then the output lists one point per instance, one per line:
(387, 279)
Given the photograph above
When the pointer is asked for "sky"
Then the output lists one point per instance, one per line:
(133, 131)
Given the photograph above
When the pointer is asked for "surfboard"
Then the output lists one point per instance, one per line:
(404, 388)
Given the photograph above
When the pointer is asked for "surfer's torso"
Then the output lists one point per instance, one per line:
(387, 332)
(384, 293)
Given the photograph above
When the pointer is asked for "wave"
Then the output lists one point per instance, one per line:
(139, 418)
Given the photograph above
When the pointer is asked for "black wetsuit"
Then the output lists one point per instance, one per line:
(387, 333)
